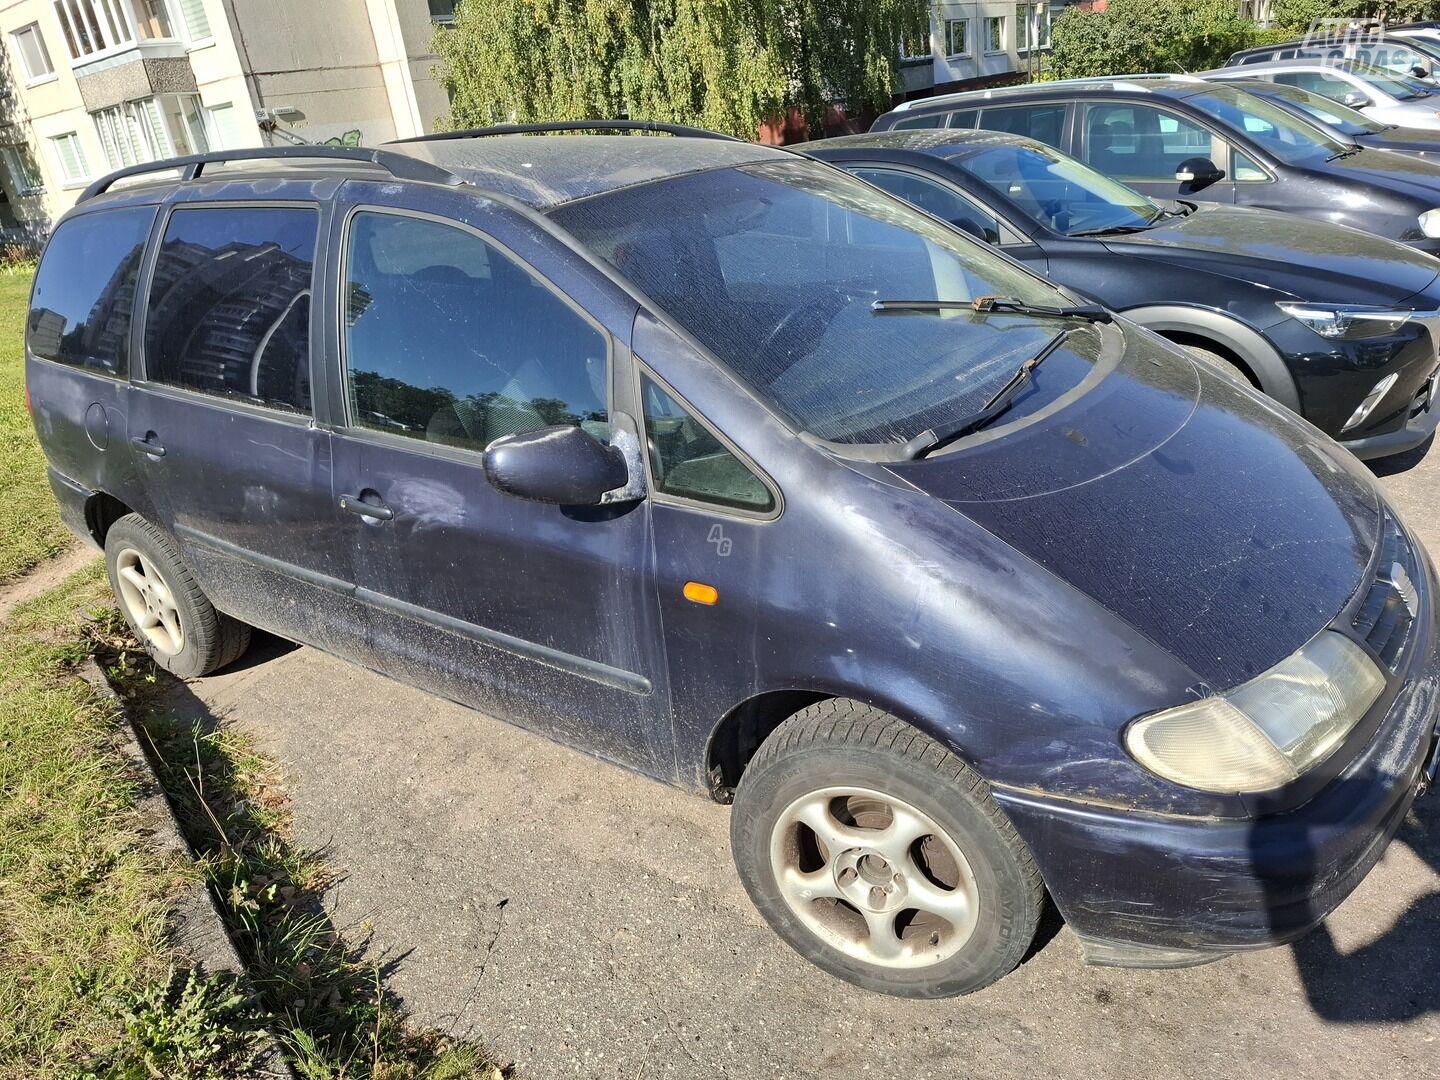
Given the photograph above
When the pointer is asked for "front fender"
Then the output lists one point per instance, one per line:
(1258, 354)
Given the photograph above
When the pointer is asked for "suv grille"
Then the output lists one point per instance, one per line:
(1391, 602)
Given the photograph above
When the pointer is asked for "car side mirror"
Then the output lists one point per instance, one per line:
(563, 465)
(1197, 173)
(1420, 71)
(1356, 100)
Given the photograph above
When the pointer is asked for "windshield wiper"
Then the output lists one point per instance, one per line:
(936, 437)
(1345, 152)
(1113, 230)
(984, 305)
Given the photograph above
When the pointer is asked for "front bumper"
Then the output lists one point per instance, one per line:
(1154, 890)
(1419, 427)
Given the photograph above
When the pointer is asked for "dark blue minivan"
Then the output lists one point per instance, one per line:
(724, 465)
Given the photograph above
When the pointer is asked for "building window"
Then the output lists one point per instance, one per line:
(957, 37)
(25, 178)
(197, 23)
(152, 128)
(71, 156)
(34, 56)
(94, 28)
(442, 11)
(1030, 17)
(995, 34)
(915, 45)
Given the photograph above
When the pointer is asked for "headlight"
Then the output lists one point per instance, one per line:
(1348, 321)
(1268, 731)
(1430, 222)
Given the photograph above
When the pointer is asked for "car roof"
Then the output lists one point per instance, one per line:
(1325, 41)
(1313, 63)
(547, 170)
(541, 171)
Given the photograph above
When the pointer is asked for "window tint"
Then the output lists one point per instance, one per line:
(688, 461)
(965, 119)
(448, 339)
(85, 290)
(229, 308)
(1137, 142)
(944, 202)
(929, 121)
(1043, 122)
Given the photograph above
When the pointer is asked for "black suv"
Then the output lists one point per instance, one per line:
(1331, 321)
(720, 463)
(1398, 54)
(1181, 136)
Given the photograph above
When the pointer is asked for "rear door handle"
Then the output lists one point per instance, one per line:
(353, 504)
(148, 444)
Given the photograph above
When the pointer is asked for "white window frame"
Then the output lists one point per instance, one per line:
(928, 40)
(1004, 36)
(964, 39)
(33, 78)
(16, 168)
(178, 19)
(67, 180)
(115, 24)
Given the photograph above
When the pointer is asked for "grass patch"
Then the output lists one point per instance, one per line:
(83, 898)
(325, 1002)
(30, 529)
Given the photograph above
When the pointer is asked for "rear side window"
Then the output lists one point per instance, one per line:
(85, 290)
(449, 340)
(229, 307)
(1044, 123)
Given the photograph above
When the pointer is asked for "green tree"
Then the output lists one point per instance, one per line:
(730, 65)
(1132, 36)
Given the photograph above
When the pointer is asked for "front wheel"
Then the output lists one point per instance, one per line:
(880, 857)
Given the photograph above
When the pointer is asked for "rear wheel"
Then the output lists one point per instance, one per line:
(880, 856)
(166, 611)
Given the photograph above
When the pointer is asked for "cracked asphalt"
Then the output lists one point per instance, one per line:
(585, 922)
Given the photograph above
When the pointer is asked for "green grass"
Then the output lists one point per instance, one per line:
(30, 529)
(86, 972)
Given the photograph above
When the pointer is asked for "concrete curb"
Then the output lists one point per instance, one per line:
(196, 926)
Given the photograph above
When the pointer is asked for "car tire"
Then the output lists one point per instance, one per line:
(166, 611)
(855, 905)
(1220, 363)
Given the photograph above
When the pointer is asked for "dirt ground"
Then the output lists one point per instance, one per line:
(585, 922)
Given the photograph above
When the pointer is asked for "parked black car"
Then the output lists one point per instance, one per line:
(1399, 54)
(1341, 120)
(1333, 322)
(1234, 148)
(722, 464)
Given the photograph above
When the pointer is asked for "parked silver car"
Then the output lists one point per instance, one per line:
(1385, 97)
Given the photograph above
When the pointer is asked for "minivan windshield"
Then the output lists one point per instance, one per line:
(1058, 192)
(775, 268)
(1288, 138)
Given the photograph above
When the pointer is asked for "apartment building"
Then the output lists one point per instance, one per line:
(88, 86)
(972, 44)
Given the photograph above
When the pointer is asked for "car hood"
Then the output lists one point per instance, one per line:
(1310, 260)
(1214, 522)
(1404, 139)
(1403, 174)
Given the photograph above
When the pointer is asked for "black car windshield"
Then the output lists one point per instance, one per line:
(1058, 192)
(1342, 118)
(1287, 137)
(774, 267)
(1399, 87)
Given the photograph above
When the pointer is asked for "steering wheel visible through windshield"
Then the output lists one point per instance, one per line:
(775, 268)
(1059, 192)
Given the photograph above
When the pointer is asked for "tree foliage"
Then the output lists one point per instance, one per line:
(1132, 36)
(724, 64)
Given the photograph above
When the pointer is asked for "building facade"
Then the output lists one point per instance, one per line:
(972, 44)
(92, 85)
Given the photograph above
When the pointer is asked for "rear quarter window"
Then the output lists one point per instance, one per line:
(84, 296)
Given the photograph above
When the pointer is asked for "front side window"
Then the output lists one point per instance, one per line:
(1060, 193)
(689, 462)
(450, 340)
(1244, 169)
(935, 198)
(229, 306)
(775, 267)
(1140, 142)
(85, 290)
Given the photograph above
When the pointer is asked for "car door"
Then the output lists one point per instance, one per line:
(965, 210)
(462, 321)
(1144, 145)
(221, 420)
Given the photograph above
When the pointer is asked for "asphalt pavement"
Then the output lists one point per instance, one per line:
(586, 922)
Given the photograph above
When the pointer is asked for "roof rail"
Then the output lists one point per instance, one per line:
(400, 166)
(652, 126)
(1005, 91)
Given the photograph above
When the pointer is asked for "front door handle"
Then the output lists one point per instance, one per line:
(147, 443)
(353, 504)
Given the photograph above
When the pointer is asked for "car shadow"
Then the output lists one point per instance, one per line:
(1401, 463)
(1396, 976)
